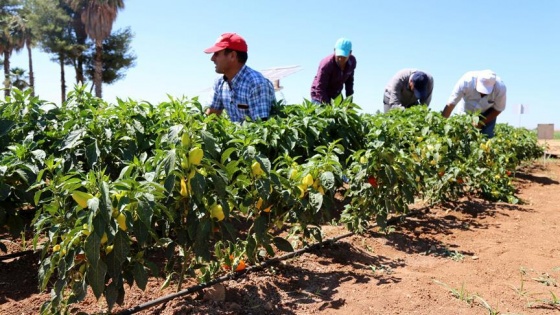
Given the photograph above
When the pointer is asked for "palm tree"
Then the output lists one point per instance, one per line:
(21, 26)
(18, 78)
(30, 40)
(11, 39)
(98, 17)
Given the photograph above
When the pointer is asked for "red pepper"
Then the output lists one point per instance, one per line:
(372, 181)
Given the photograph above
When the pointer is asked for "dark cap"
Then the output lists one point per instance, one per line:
(420, 82)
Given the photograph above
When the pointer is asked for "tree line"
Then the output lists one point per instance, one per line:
(76, 33)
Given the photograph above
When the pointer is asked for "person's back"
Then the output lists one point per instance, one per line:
(407, 88)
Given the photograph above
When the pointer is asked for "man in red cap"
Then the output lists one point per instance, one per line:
(241, 91)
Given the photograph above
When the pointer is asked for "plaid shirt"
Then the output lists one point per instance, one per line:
(250, 94)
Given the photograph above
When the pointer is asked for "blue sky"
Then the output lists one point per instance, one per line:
(519, 40)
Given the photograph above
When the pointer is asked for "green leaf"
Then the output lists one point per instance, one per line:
(283, 244)
(45, 272)
(169, 183)
(106, 208)
(260, 227)
(92, 154)
(210, 146)
(154, 270)
(93, 204)
(174, 132)
(96, 276)
(251, 246)
(140, 276)
(145, 211)
(93, 243)
(79, 291)
(6, 126)
(269, 249)
(231, 231)
(201, 246)
(232, 167)
(198, 184)
(111, 295)
(167, 281)
(169, 161)
(117, 257)
(226, 154)
(381, 220)
(316, 200)
(219, 185)
(316, 233)
(141, 232)
(73, 139)
(327, 180)
(4, 191)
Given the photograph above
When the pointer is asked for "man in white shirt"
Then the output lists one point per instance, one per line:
(481, 91)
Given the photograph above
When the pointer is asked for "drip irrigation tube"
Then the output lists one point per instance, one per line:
(232, 275)
(18, 254)
(263, 264)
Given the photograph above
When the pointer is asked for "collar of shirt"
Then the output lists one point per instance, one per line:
(237, 77)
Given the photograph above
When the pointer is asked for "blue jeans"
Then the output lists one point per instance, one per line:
(488, 129)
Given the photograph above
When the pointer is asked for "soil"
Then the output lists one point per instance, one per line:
(466, 257)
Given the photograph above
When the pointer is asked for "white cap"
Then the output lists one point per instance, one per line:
(485, 81)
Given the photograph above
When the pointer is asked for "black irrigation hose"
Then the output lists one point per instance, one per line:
(18, 254)
(263, 264)
(232, 275)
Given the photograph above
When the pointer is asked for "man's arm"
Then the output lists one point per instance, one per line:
(456, 95)
(215, 106)
(500, 100)
(489, 117)
(447, 110)
(349, 84)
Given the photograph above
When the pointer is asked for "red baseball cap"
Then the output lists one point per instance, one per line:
(228, 40)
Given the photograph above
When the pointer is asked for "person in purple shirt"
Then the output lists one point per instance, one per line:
(335, 72)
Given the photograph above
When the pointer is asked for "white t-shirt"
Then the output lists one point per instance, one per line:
(465, 89)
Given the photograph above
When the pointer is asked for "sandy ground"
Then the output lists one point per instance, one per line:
(553, 146)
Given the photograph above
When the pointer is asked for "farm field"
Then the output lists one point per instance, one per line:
(553, 145)
(468, 257)
(133, 201)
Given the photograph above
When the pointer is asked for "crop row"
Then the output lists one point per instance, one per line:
(109, 183)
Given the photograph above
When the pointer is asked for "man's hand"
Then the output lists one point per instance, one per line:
(213, 111)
